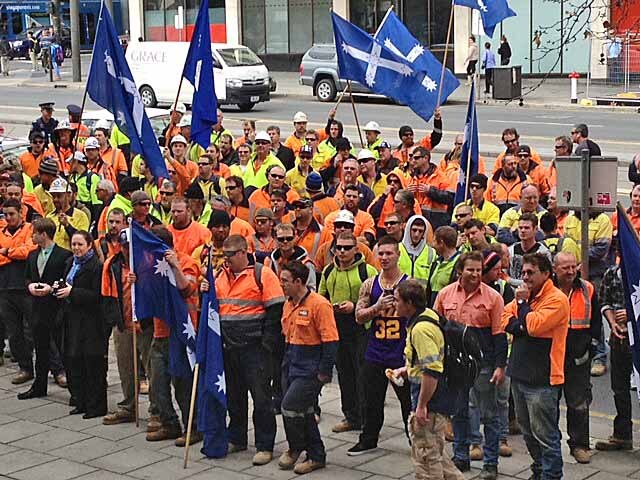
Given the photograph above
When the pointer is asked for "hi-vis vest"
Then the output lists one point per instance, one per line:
(418, 267)
(580, 302)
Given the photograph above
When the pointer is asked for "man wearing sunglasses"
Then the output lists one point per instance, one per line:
(162, 209)
(261, 198)
(481, 208)
(364, 227)
(255, 176)
(430, 187)
(310, 235)
(350, 171)
(511, 140)
(251, 301)
(369, 174)
(429, 141)
(340, 284)
(30, 160)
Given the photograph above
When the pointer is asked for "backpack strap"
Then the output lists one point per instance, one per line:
(362, 271)
(257, 271)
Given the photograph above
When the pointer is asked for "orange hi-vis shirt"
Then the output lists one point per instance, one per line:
(190, 294)
(18, 244)
(105, 171)
(31, 163)
(502, 191)
(401, 154)
(580, 303)
(312, 238)
(261, 198)
(115, 158)
(61, 155)
(110, 289)
(244, 303)
(535, 156)
(295, 143)
(323, 206)
(480, 309)
(434, 177)
(186, 240)
(534, 361)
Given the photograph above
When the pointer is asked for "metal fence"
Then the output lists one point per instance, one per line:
(614, 70)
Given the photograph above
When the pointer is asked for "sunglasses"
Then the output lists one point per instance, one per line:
(365, 160)
(231, 187)
(344, 248)
(507, 142)
(307, 157)
(343, 225)
(38, 142)
(230, 253)
(285, 239)
(144, 204)
(460, 215)
(166, 194)
(391, 223)
(244, 153)
(416, 157)
(397, 182)
(475, 186)
(312, 139)
(261, 222)
(276, 176)
(559, 147)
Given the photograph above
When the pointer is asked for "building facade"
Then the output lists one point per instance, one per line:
(547, 36)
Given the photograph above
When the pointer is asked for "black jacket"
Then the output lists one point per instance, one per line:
(85, 331)
(286, 156)
(46, 308)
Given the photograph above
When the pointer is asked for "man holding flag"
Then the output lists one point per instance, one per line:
(619, 296)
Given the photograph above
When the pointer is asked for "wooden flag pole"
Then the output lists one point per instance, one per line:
(341, 96)
(134, 321)
(468, 171)
(194, 389)
(355, 114)
(446, 52)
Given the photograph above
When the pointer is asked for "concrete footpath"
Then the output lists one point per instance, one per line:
(40, 441)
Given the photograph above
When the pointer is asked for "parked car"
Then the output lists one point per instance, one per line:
(319, 69)
(20, 46)
(158, 117)
(12, 148)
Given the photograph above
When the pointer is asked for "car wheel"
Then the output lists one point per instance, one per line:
(326, 90)
(245, 107)
(148, 96)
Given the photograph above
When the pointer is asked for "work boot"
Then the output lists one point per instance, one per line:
(233, 448)
(504, 450)
(153, 424)
(61, 380)
(22, 377)
(614, 443)
(164, 433)
(581, 455)
(196, 437)
(117, 417)
(476, 453)
(288, 459)
(462, 465)
(308, 466)
(262, 458)
(489, 472)
(598, 369)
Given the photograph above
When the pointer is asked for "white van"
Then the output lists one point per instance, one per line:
(239, 75)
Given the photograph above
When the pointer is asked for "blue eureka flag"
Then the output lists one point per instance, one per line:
(395, 36)
(212, 387)
(198, 69)
(469, 155)
(157, 295)
(110, 84)
(492, 12)
(364, 59)
(629, 247)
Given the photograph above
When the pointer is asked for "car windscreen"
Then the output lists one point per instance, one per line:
(239, 57)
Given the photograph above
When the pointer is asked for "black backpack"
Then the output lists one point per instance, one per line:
(462, 352)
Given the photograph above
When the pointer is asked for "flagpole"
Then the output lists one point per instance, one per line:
(468, 170)
(355, 114)
(194, 388)
(134, 321)
(340, 97)
(446, 51)
(384, 19)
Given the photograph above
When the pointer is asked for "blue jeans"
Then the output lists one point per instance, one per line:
(538, 412)
(503, 413)
(486, 395)
(248, 370)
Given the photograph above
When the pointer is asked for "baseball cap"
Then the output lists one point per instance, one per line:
(36, 134)
(59, 185)
(526, 149)
(139, 196)
(264, 213)
(64, 125)
(302, 203)
(383, 145)
(344, 216)
(306, 150)
(404, 130)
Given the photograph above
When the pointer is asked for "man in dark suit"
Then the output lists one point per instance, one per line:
(45, 266)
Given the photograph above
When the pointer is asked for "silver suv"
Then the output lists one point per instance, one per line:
(319, 69)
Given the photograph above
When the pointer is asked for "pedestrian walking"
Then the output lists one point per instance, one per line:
(34, 51)
(472, 58)
(57, 57)
(5, 51)
(488, 64)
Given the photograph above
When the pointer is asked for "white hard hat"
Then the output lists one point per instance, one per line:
(344, 216)
(185, 121)
(264, 136)
(179, 139)
(91, 142)
(300, 117)
(59, 185)
(372, 127)
(365, 153)
(79, 156)
(180, 108)
(64, 125)
(102, 124)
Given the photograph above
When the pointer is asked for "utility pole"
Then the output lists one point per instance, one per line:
(56, 15)
(74, 11)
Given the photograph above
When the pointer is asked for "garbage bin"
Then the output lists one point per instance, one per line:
(507, 82)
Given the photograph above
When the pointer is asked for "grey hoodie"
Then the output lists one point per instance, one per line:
(406, 239)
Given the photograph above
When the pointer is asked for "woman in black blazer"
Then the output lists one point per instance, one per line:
(85, 339)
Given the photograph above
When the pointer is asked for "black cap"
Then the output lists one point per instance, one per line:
(218, 218)
(73, 109)
(194, 192)
(36, 134)
(343, 144)
(383, 145)
(47, 105)
(478, 178)
(524, 149)
(404, 130)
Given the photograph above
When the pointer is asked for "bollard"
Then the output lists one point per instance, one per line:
(574, 86)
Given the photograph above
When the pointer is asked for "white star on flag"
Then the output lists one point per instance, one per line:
(429, 84)
(164, 269)
(635, 299)
(189, 331)
(222, 384)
